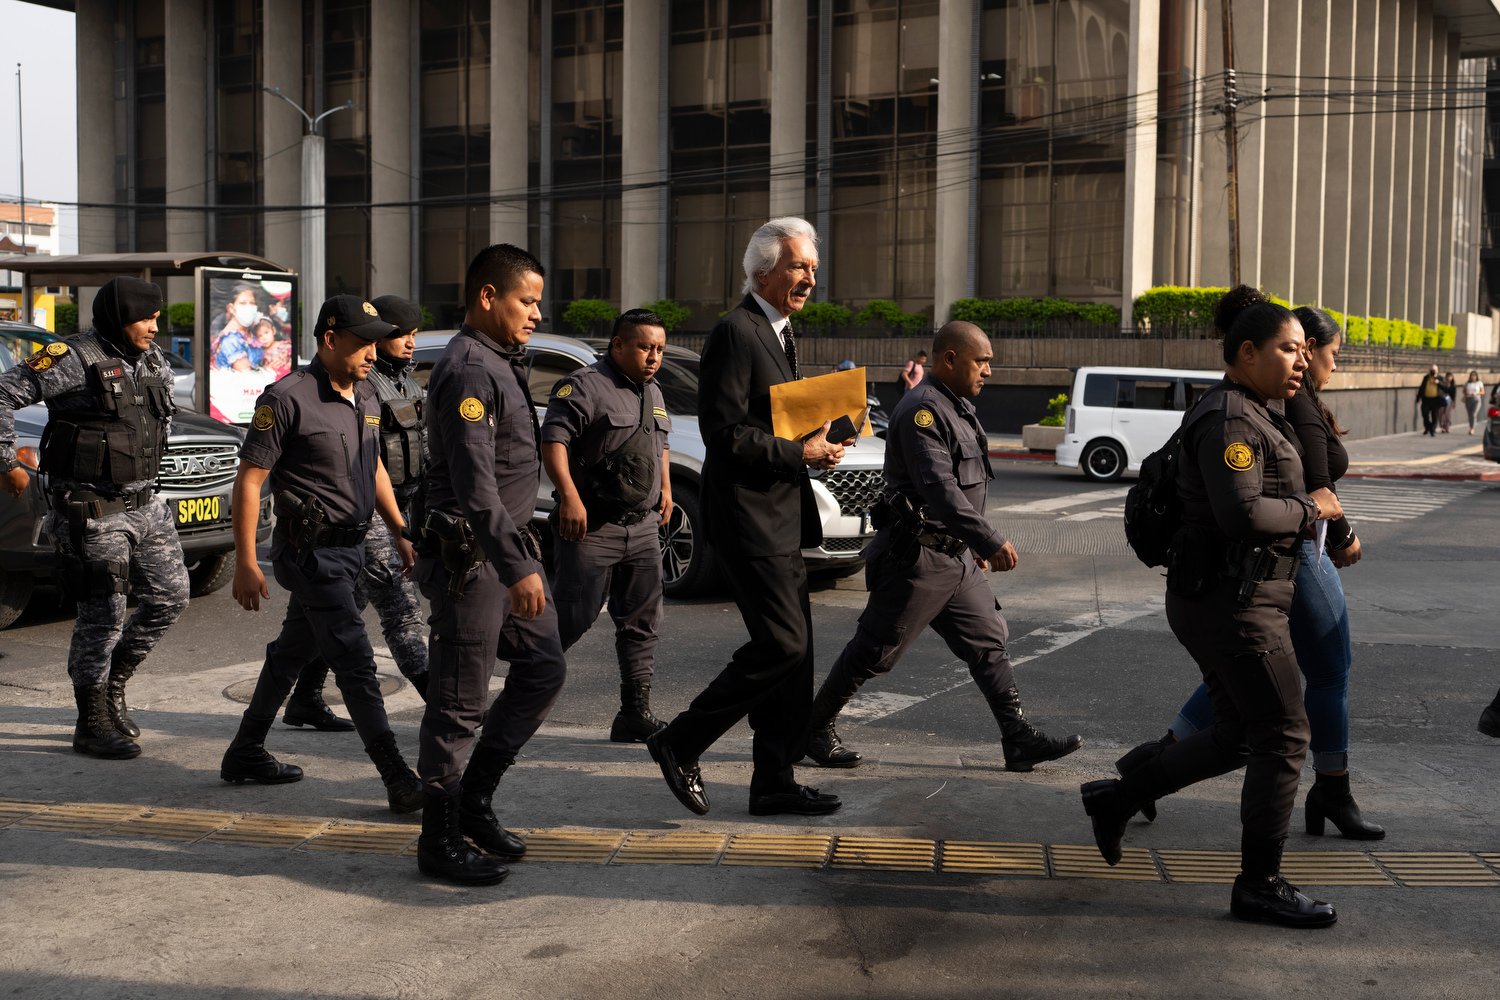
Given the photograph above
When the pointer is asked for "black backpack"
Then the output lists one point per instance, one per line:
(1153, 514)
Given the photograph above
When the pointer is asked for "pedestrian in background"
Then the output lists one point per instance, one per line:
(913, 372)
(1450, 400)
(1473, 398)
(1430, 399)
(1229, 592)
(1319, 615)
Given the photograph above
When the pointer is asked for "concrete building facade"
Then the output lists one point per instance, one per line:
(943, 148)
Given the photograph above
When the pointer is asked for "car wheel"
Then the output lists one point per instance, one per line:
(15, 593)
(687, 566)
(1103, 461)
(210, 573)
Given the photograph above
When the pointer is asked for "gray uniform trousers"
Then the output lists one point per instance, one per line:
(468, 633)
(625, 564)
(395, 600)
(147, 540)
(949, 593)
(321, 620)
(1245, 654)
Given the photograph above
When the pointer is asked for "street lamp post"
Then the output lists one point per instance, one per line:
(314, 224)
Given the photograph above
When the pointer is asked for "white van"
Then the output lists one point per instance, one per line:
(1118, 416)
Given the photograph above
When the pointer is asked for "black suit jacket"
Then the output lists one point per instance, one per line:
(757, 499)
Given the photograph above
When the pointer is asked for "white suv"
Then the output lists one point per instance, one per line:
(1118, 416)
(844, 495)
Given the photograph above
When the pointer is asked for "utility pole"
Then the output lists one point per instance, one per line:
(26, 316)
(1231, 144)
(314, 223)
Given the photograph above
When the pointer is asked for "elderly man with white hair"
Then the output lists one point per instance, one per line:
(758, 513)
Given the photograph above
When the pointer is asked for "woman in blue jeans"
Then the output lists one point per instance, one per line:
(1319, 616)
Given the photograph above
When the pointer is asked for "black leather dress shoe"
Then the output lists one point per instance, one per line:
(800, 800)
(685, 782)
(1489, 721)
(1273, 900)
(255, 763)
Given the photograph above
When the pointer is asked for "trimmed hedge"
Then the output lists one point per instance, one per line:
(586, 316)
(180, 315)
(65, 320)
(989, 312)
(821, 317)
(672, 314)
(884, 312)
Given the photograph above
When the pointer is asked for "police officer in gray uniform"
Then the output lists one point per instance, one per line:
(927, 563)
(109, 401)
(1230, 581)
(402, 449)
(480, 567)
(315, 434)
(604, 445)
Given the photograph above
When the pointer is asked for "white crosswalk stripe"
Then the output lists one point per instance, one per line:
(1365, 501)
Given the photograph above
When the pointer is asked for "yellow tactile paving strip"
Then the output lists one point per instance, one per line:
(1406, 869)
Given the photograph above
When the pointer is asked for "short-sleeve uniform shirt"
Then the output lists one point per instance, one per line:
(595, 410)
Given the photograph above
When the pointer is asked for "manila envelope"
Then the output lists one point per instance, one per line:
(800, 408)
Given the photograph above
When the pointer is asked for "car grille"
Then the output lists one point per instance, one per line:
(856, 490)
(199, 468)
(844, 544)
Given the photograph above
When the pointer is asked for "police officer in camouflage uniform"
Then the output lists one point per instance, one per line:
(315, 437)
(109, 400)
(480, 567)
(403, 450)
(604, 445)
(928, 561)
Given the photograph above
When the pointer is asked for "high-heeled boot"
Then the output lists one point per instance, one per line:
(1330, 799)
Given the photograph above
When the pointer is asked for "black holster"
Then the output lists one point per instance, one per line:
(453, 539)
(1254, 563)
(300, 520)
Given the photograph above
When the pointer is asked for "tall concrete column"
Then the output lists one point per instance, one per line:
(1210, 194)
(1407, 188)
(392, 64)
(1448, 174)
(1427, 264)
(281, 131)
(955, 180)
(641, 169)
(510, 82)
(1338, 162)
(1307, 236)
(1368, 20)
(1388, 45)
(1268, 174)
(1140, 154)
(187, 170)
(94, 30)
(788, 107)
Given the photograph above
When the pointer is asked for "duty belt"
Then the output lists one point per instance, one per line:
(631, 517)
(320, 536)
(940, 542)
(95, 505)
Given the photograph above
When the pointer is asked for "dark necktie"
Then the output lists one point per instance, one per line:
(789, 344)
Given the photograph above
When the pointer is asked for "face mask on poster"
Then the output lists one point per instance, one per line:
(245, 316)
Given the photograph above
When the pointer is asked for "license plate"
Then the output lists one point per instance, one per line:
(202, 510)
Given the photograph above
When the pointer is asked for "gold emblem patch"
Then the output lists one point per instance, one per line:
(923, 418)
(1239, 457)
(563, 392)
(57, 349)
(471, 409)
(372, 420)
(264, 418)
(657, 411)
(39, 362)
(370, 310)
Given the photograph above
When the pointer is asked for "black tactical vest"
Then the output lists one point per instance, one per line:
(118, 439)
(402, 431)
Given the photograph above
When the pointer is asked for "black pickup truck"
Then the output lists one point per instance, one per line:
(197, 474)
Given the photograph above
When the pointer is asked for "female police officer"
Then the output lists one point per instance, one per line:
(1229, 587)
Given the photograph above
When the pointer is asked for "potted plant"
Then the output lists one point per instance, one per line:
(1047, 433)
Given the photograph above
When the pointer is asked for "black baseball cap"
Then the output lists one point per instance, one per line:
(357, 316)
(396, 310)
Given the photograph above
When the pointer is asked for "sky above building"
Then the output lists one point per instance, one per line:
(42, 41)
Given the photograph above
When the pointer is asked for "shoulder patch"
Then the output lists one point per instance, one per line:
(565, 390)
(39, 362)
(372, 420)
(57, 349)
(658, 411)
(923, 418)
(471, 409)
(1239, 457)
(264, 418)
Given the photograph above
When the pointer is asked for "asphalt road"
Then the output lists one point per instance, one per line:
(98, 914)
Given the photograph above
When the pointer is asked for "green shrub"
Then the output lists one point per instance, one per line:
(820, 317)
(65, 319)
(1380, 331)
(1055, 406)
(886, 313)
(672, 314)
(1447, 336)
(586, 316)
(428, 319)
(180, 315)
(989, 313)
(1174, 309)
(1359, 329)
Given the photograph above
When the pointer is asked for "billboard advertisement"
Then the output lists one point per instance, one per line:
(246, 332)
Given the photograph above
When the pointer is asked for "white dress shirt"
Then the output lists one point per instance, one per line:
(778, 321)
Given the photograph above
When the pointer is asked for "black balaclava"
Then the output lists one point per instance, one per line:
(123, 301)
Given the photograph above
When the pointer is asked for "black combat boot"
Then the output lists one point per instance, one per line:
(1138, 758)
(1024, 746)
(247, 758)
(306, 706)
(476, 814)
(1261, 893)
(403, 789)
(442, 851)
(1109, 811)
(634, 722)
(121, 669)
(825, 749)
(419, 683)
(1489, 719)
(95, 734)
(1330, 798)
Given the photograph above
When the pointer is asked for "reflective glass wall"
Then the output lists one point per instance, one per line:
(345, 63)
(236, 125)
